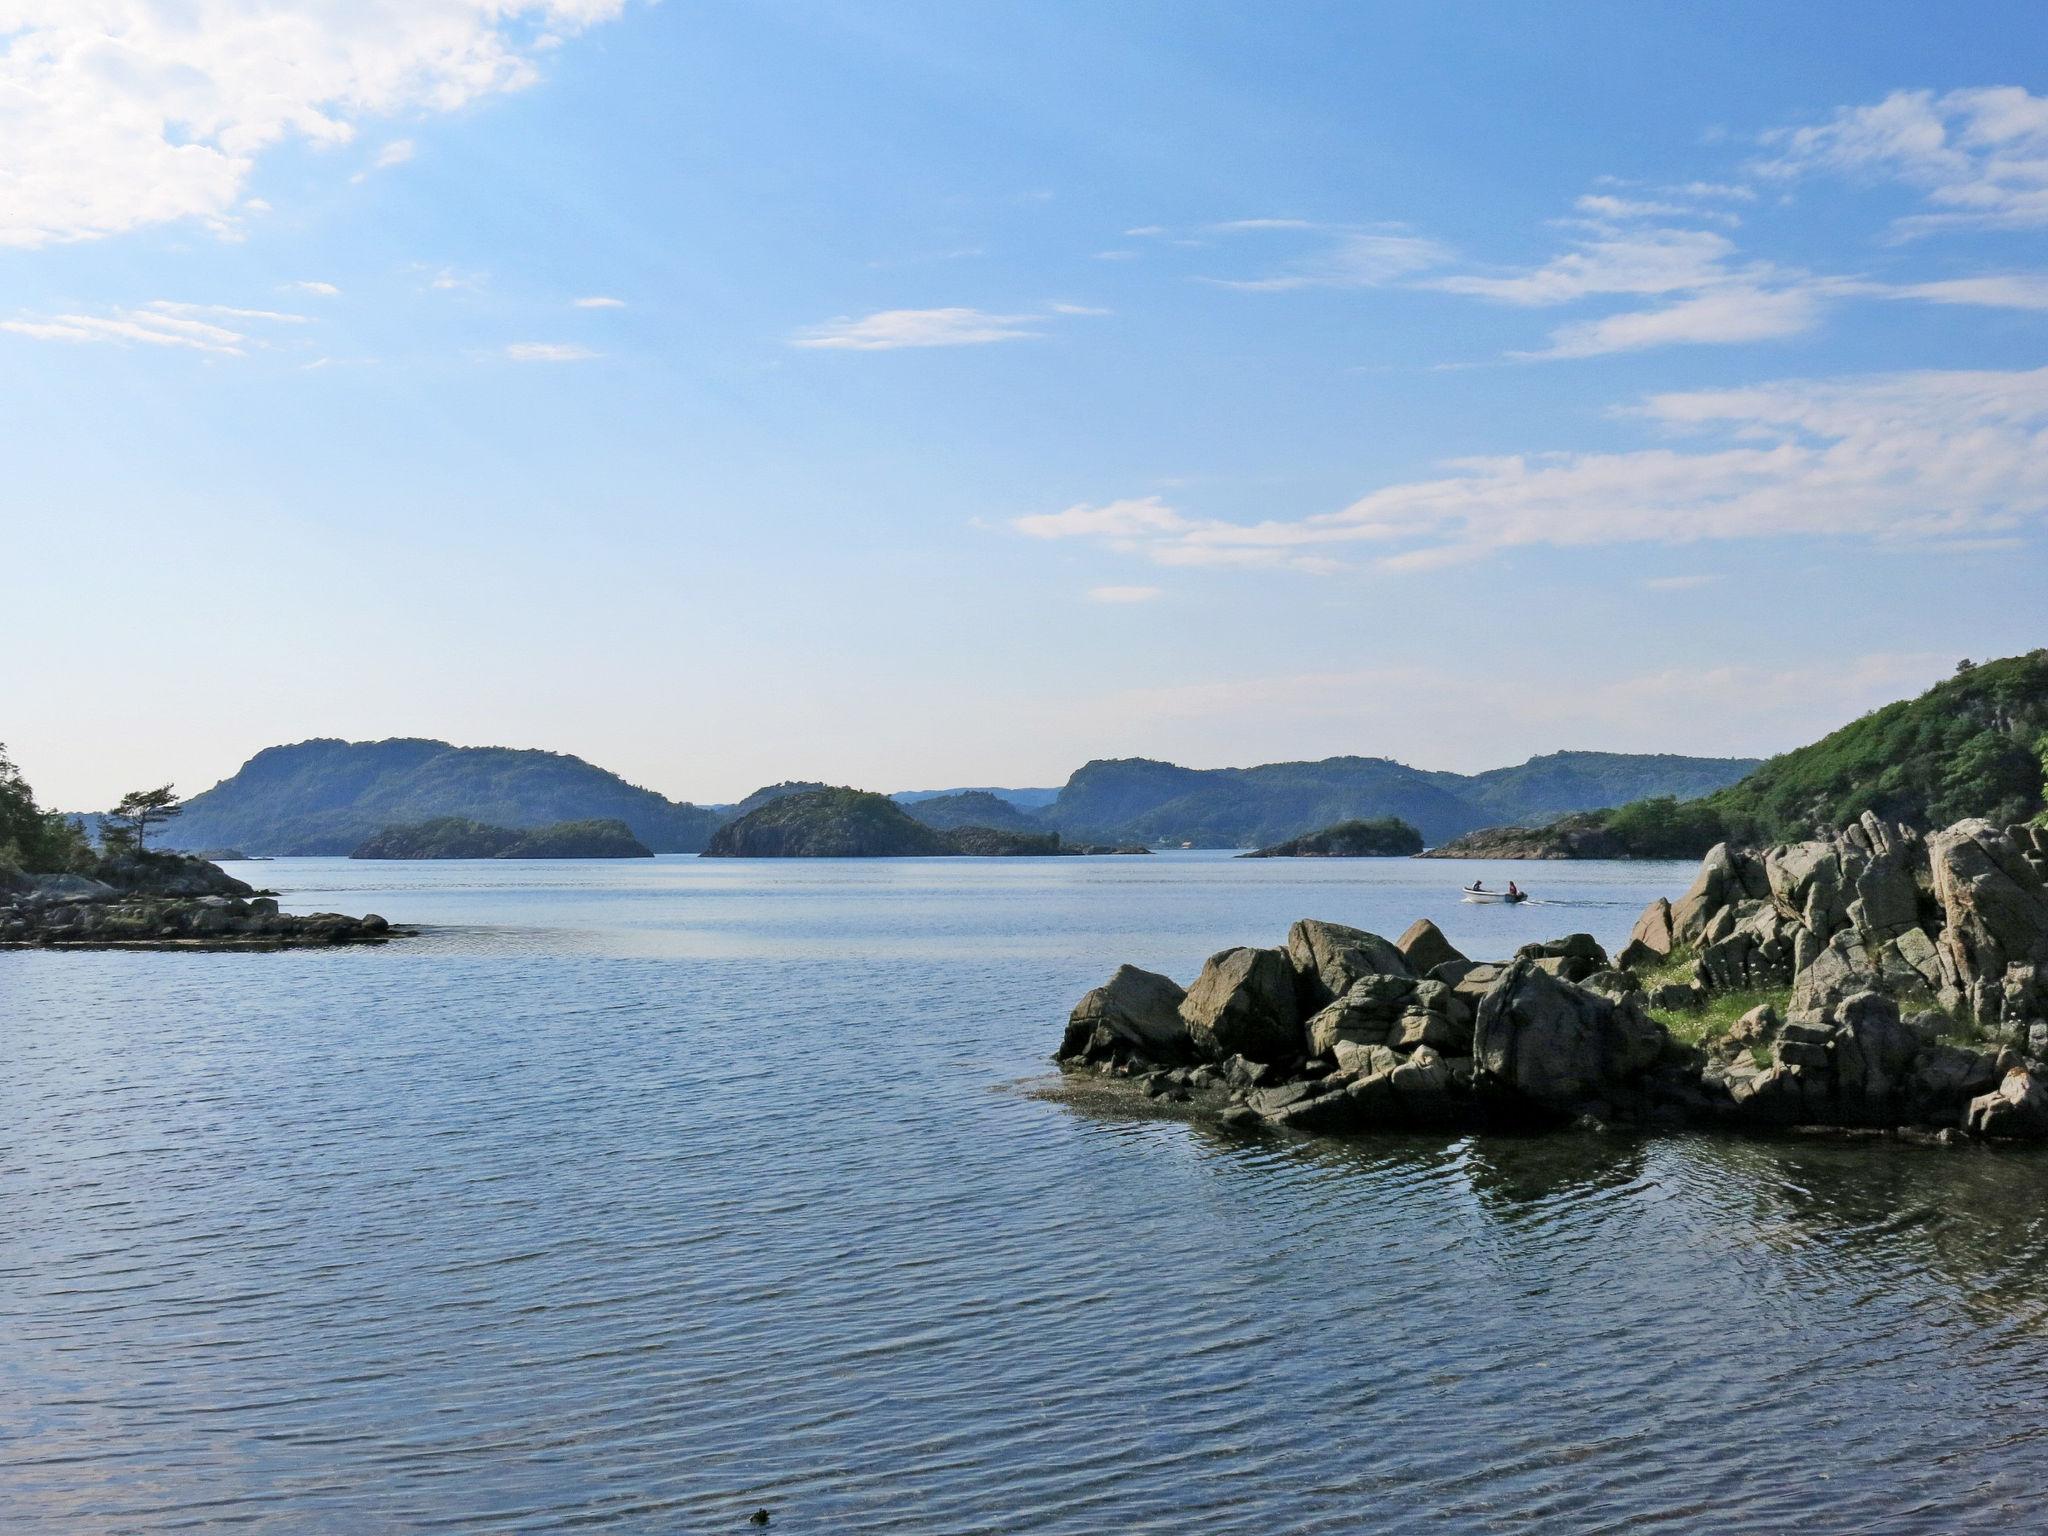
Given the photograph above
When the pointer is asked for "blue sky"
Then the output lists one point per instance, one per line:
(920, 394)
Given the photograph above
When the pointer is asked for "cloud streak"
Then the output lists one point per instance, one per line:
(889, 330)
(1924, 458)
(220, 329)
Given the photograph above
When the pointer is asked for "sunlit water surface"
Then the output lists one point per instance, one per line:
(634, 1196)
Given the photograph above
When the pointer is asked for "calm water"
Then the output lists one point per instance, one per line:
(634, 1196)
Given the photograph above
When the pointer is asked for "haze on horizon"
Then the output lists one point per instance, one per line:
(911, 395)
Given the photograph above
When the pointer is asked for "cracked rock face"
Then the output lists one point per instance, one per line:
(1958, 919)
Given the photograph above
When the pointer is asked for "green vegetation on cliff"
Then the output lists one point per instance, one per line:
(457, 837)
(1385, 838)
(1969, 746)
(1975, 744)
(327, 797)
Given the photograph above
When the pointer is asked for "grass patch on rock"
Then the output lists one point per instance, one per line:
(1698, 1026)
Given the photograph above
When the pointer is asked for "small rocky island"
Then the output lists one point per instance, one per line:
(1385, 837)
(136, 900)
(457, 837)
(1875, 981)
(858, 824)
(1584, 836)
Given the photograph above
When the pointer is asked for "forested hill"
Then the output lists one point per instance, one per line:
(1139, 799)
(1975, 744)
(327, 796)
(1972, 745)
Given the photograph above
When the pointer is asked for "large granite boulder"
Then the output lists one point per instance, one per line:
(1425, 948)
(1872, 1052)
(1134, 1012)
(2016, 1109)
(1366, 1015)
(1650, 941)
(1557, 1046)
(1996, 910)
(1329, 957)
(1724, 878)
(68, 888)
(1243, 1004)
(1573, 957)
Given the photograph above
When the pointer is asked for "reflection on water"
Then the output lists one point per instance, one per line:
(637, 1198)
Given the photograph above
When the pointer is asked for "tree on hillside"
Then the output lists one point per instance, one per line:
(139, 810)
(31, 838)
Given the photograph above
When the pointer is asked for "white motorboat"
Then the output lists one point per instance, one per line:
(1473, 893)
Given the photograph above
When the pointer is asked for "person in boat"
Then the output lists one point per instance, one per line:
(1514, 889)
(1476, 885)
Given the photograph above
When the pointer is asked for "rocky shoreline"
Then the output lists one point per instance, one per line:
(1895, 983)
(166, 901)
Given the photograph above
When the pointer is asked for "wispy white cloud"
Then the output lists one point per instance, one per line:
(1979, 155)
(548, 352)
(1345, 258)
(397, 152)
(220, 329)
(1647, 261)
(1933, 458)
(1122, 594)
(313, 286)
(119, 114)
(890, 329)
(2015, 290)
(598, 301)
(1132, 518)
(1717, 316)
(1680, 583)
(453, 280)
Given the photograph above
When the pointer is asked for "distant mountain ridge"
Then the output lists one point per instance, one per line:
(1140, 799)
(328, 796)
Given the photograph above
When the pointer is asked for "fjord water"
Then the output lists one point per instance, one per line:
(634, 1196)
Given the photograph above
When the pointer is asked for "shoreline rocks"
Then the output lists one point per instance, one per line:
(166, 901)
(1886, 950)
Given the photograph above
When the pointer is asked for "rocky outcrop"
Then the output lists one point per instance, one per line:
(1337, 1033)
(1884, 946)
(1957, 921)
(161, 901)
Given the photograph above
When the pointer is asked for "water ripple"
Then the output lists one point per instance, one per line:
(633, 1200)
